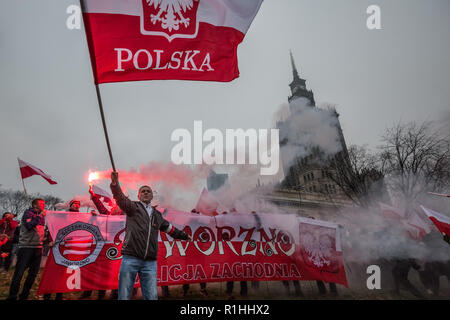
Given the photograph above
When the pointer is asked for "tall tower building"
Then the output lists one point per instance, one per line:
(309, 172)
(298, 86)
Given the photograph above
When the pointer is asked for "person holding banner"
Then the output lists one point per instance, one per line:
(102, 210)
(74, 206)
(140, 248)
(30, 249)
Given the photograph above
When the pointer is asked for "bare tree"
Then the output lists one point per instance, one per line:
(13, 201)
(17, 202)
(358, 174)
(416, 159)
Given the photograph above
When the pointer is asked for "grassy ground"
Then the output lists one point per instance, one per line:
(272, 290)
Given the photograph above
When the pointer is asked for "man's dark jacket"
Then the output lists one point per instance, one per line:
(141, 234)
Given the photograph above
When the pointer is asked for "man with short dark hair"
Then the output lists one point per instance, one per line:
(30, 249)
(140, 246)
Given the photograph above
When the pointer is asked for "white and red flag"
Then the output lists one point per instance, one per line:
(442, 222)
(132, 40)
(391, 212)
(28, 170)
(107, 197)
(416, 227)
(439, 194)
(207, 203)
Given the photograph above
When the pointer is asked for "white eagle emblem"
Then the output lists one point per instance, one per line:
(171, 13)
(319, 250)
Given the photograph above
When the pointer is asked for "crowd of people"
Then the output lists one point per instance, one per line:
(29, 239)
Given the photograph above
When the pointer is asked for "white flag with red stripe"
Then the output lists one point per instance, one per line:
(441, 221)
(28, 170)
(439, 194)
(416, 227)
(131, 40)
(391, 212)
(107, 197)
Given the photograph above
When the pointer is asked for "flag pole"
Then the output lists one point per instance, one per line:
(24, 189)
(99, 96)
(100, 105)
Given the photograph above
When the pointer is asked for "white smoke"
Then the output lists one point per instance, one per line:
(308, 128)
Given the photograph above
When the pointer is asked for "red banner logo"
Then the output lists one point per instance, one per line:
(78, 244)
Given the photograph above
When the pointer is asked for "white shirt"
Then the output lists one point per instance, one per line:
(148, 207)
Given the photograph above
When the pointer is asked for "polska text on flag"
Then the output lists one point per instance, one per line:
(132, 40)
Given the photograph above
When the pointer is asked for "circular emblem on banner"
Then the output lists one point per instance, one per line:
(78, 244)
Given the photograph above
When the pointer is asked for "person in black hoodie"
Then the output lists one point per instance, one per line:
(400, 272)
(140, 246)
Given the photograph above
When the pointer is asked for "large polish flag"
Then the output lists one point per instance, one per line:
(441, 221)
(132, 40)
(28, 170)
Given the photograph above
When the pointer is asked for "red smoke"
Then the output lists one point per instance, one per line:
(168, 174)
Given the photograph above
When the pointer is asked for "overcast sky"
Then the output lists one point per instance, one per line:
(50, 118)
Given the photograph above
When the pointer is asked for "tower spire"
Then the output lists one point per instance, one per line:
(294, 68)
(298, 85)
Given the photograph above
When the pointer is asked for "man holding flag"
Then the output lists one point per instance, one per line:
(140, 248)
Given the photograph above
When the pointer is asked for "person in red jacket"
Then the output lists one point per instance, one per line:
(7, 228)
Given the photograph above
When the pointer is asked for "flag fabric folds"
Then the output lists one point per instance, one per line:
(414, 226)
(132, 40)
(28, 170)
(391, 212)
(107, 197)
(441, 221)
(207, 204)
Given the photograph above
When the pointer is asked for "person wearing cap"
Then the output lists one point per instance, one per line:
(140, 248)
(7, 227)
(74, 206)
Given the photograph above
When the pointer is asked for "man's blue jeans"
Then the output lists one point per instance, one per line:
(130, 267)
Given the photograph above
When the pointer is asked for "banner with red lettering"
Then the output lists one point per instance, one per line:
(228, 247)
(131, 40)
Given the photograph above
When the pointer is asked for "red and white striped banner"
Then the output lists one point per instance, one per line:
(232, 247)
(131, 40)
